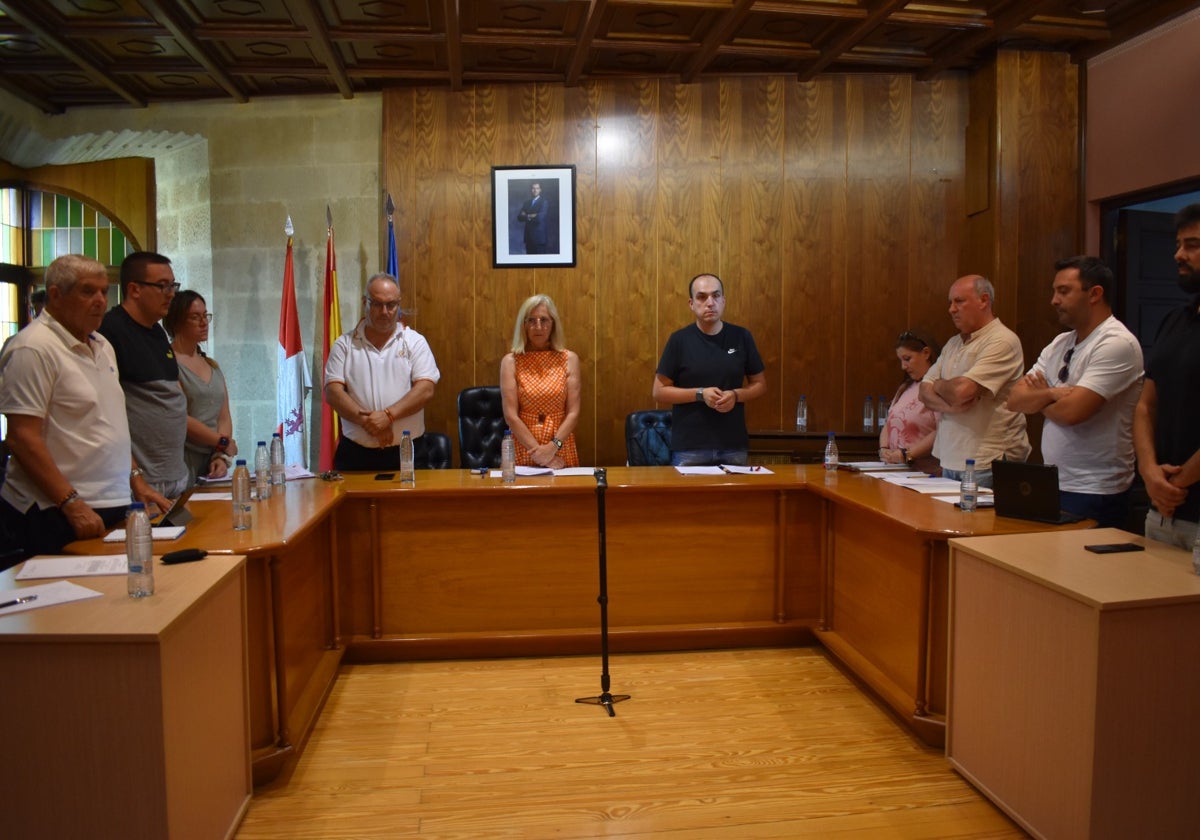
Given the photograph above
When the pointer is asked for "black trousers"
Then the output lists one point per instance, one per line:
(351, 457)
(38, 531)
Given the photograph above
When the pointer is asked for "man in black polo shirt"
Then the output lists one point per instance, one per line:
(1166, 435)
(707, 372)
(154, 402)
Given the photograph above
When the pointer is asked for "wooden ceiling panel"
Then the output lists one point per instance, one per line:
(62, 54)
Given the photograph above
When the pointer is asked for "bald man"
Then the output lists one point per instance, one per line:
(969, 384)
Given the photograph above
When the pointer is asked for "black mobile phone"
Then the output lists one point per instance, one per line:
(384, 476)
(1114, 548)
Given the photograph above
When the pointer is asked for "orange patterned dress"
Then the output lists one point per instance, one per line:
(542, 400)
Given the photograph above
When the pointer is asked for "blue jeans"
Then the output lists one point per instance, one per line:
(709, 457)
(1110, 511)
(983, 478)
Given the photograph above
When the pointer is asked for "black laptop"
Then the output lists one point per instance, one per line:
(1028, 491)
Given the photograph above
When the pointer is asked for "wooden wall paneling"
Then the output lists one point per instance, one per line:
(572, 142)
(440, 290)
(879, 144)
(977, 253)
(688, 215)
(752, 150)
(814, 251)
(625, 200)
(1047, 142)
(509, 136)
(936, 204)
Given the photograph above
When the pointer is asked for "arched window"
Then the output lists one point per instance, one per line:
(36, 226)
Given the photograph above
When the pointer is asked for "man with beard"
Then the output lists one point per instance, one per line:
(1086, 384)
(1166, 434)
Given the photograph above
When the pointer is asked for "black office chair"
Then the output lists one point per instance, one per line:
(481, 426)
(648, 438)
(436, 452)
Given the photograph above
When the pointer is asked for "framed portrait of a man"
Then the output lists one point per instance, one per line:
(533, 216)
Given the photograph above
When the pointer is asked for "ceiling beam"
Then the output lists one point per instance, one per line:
(851, 37)
(1008, 20)
(182, 32)
(583, 44)
(318, 28)
(717, 36)
(93, 72)
(454, 59)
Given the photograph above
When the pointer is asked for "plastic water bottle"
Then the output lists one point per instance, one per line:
(881, 413)
(508, 458)
(407, 473)
(868, 414)
(262, 471)
(969, 492)
(802, 414)
(278, 475)
(1196, 553)
(139, 549)
(241, 496)
(831, 455)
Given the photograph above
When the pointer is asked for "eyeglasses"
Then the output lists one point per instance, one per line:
(1066, 368)
(539, 322)
(206, 318)
(164, 287)
(385, 305)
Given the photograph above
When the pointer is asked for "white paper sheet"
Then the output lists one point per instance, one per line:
(169, 532)
(64, 567)
(48, 594)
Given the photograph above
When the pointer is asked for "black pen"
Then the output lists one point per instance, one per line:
(24, 599)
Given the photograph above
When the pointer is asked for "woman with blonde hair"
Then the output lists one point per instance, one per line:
(539, 383)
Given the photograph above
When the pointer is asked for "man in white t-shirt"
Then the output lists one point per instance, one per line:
(378, 377)
(1086, 383)
(969, 383)
(71, 470)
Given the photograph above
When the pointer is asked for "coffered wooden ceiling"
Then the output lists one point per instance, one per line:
(63, 54)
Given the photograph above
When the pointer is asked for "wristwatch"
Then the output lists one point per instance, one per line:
(699, 395)
(904, 455)
(222, 443)
(557, 443)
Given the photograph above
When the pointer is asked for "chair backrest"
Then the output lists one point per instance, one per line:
(481, 425)
(437, 453)
(648, 438)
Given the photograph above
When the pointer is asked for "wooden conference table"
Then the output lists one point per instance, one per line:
(463, 566)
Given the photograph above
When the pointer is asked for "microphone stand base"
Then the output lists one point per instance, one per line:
(606, 700)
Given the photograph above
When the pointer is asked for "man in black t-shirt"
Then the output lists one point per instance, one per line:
(1166, 435)
(707, 371)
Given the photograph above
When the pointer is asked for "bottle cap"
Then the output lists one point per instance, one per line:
(262, 443)
(241, 462)
(406, 432)
(137, 506)
(970, 462)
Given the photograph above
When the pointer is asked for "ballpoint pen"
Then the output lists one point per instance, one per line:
(24, 599)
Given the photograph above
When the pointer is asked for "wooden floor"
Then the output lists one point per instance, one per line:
(719, 745)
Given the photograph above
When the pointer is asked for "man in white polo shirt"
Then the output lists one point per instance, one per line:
(1086, 384)
(378, 377)
(69, 474)
(969, 383)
